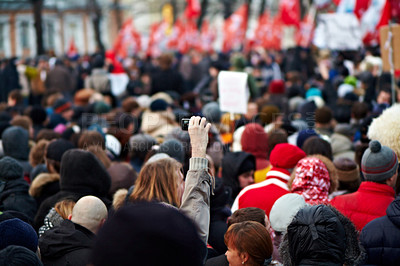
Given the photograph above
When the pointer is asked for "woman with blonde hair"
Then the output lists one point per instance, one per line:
(161, 180)
(249, 243)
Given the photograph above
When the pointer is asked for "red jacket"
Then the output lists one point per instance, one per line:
(369, 202)
(264, 194)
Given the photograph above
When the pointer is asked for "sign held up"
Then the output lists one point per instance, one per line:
(233, 91)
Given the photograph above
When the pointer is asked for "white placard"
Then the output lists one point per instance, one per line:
(338, 31)
(233, 92)
(118, 83)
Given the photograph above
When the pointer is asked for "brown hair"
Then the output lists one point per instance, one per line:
(276, 137)
(37, 153)
(316, 145)
(16, 95)
(64, 208)
(247, 214)
(100, 154)
(252, 238)
(47, 134)
(129, 104)
(158, 181)
(91, 138)
(22, 121)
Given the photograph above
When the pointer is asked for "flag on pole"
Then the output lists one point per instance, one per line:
(376, 16)
(235, 29)
(72, 52)
(306, 30)
(207, 37)
(193, 9)
(128, 41)
(289, 11)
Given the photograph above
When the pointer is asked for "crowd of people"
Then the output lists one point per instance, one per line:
(307, 176)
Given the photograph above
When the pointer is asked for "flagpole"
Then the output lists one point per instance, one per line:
(391, 62)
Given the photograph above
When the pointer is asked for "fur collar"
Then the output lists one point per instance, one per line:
(40, 181)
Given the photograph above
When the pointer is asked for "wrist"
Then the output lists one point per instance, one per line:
(198, 154)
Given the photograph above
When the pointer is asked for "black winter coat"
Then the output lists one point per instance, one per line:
(14, 196)
(381, 237)
(67, 244)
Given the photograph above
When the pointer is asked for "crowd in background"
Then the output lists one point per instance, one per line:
(307, 176)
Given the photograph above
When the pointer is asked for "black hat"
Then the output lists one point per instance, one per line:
(18, 255)
(57, 148)
(10, 169)
(148, 234)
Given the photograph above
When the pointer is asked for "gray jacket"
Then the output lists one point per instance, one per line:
(196, 197)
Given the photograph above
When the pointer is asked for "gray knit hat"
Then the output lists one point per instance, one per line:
(378, 163)
(174, 149)
(212, 112)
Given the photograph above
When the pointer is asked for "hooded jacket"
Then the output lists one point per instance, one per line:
(231, 164)
(14, 189)
(380, 237)
(15, 141)
(67, 244)
(320, 235)
(81, 174)
(254, 140)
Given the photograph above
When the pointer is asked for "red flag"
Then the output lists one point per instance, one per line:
(185, 36)
(72, 50)
(128, 41)
(207, 38)
(372, 36)
(193, 9)
(290, 12)
(360, 7)
(235, 29)
(306, 31)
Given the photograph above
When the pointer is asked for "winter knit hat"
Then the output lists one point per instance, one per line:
(15, 141)
(284, 209)
(312, 180)
(173, 148)
(247, 165)
(286, 156)
(166, 237)
(10, 169)
(17, 255)
(277, 87)
(378, 163)
(17, 232)
(158, 105)
(57, 148)
(61, 105)
(122, 176)
(304, 135)
(254, 140)
(347, 169)
(212, 112)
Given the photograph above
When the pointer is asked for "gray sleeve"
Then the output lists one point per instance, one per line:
(196, 197)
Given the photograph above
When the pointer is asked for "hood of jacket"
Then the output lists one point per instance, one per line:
(321, 235)
(230, 168)
(15, 141)
(393, 212)
(65, 238)
(41, 181)
(81, 172)
(340, 143)
(254, 140)
(14, 186)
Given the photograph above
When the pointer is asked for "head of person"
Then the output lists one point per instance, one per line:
(64, 108)
(316, 145)
(148, 233)
(89, 138)
(247, 214)
(379, 164)
(64, 208)
(249, 243)
(89, 212)
(14, 98)
(161, 180)
(348, 174)
(314, 178)
(323, 117)
(54, 152)
(319, 226)
(140, 145)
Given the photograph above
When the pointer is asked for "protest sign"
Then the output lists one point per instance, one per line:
(338, 31)
(384, 34)
(233, 91)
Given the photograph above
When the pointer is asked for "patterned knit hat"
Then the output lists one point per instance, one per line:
(378, 162)
(312, 181)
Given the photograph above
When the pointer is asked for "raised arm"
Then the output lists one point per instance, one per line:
(198, 185)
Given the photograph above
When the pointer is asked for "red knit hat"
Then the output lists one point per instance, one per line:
(286, 155)
(277, 87)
